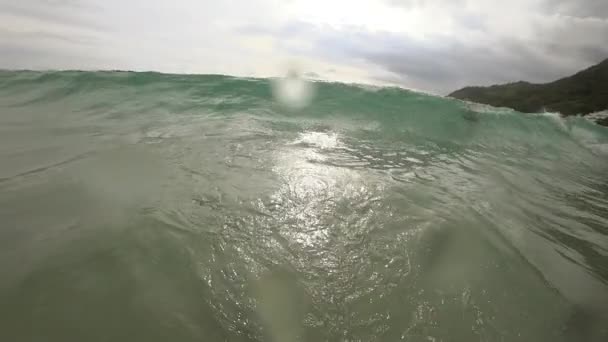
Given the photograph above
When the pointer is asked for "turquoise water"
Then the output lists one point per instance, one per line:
(149, 207)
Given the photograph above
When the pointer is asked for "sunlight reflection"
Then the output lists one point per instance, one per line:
(312, 190)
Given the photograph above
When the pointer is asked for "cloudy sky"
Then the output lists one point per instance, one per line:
(431, 45)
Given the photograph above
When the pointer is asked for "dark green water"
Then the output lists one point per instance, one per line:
(148, 207)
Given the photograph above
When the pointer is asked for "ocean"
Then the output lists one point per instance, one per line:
(155, 207)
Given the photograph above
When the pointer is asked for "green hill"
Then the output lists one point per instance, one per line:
(583, 93)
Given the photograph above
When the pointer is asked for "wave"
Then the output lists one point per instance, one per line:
(386, 210)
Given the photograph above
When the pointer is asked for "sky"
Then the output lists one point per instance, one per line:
(431, 45)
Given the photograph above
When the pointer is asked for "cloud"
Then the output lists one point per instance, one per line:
(421, 3)
(77, 14)
(46, 51)
(442, 63)
(434, 45)
(311, 74)
(579, 8)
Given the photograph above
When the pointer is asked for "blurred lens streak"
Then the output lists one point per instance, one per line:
(292, 91)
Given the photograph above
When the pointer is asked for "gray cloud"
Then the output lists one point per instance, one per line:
(445, 63)
(478, 42)
(418, 3)
(49, 34)
(37, 37)
(579, 8)
(74, 13)
(47, 56)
